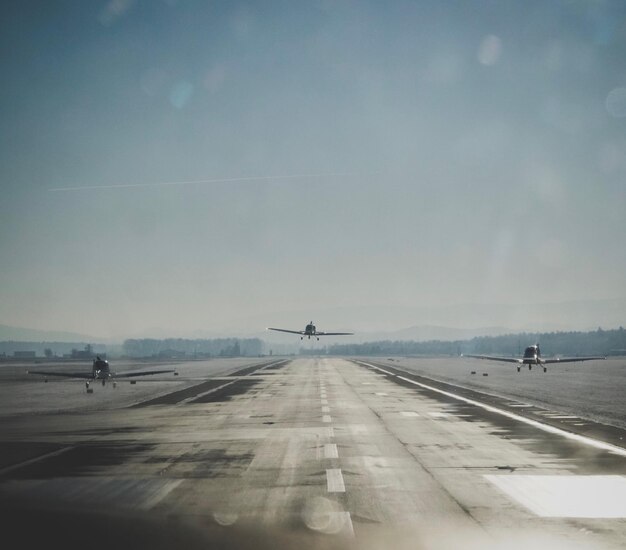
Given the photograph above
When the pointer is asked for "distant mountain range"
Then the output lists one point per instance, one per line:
(17, 334)
(372, 323)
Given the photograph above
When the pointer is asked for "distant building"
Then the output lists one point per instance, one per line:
(24, 354)
(86, 353)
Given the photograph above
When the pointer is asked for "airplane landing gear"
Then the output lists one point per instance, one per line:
(518, 369)
(530, 367)
(545, 369)
(103, 381)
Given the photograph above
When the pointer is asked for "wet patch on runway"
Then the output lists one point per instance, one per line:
(248, 370)
(277, 366)
(180, 395)
(83, 460)
(227, 392)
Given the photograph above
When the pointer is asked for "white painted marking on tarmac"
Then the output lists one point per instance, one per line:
(545, 427)
(378, 368)
(36, 459)
(564, 416)
(326, 418)
(410, 414)
(347, 524)
(331, 432)
(330, 450)
(324, 401)
(438, 415)
(334, 481)
(160, 494)
(381, 393)
(566, 496)
(325, 409)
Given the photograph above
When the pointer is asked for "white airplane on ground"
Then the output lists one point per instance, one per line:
(310, 330)
(532, 356)
(100, 371)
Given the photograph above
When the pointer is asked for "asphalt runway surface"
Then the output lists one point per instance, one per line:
(313, 453)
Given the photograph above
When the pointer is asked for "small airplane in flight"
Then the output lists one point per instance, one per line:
(100, 371)
(532, 356)
(310, 330)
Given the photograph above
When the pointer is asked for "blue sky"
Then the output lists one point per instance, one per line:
(460, 152)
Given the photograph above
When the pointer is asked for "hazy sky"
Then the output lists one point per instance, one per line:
(459, 152)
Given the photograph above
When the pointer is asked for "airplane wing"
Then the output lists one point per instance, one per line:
(333, 333)
(285, 330)
(491, 358)
(131, 374)
(571, 359)
(83, 374)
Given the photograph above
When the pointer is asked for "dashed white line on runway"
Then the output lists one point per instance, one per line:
(330, 451)
(334, 481)
(325, 409)
(326, 418)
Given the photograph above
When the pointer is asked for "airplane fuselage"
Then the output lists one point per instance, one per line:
(100, 370)
(532, 356)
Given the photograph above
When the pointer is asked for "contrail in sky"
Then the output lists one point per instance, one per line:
(191, 182)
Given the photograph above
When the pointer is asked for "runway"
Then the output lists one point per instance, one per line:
(314, 452)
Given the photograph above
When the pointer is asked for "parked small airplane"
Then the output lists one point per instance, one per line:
(100, 370)
(532, 356)
(310, 330)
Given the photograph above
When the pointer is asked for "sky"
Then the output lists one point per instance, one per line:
(178, 166)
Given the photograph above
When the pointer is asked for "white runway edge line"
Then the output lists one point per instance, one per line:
(550, 429)
(334, 481)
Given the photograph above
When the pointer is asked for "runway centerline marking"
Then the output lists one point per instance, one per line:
(326, 418)
(330, 450)
(334, 481)
(325, 409)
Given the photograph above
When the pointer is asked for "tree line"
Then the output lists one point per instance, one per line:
(181, 347)
(597, 342)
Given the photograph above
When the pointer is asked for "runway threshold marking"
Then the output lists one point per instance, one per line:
(545, 427)
(565, 496)
(326, 418)
(334, 481)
